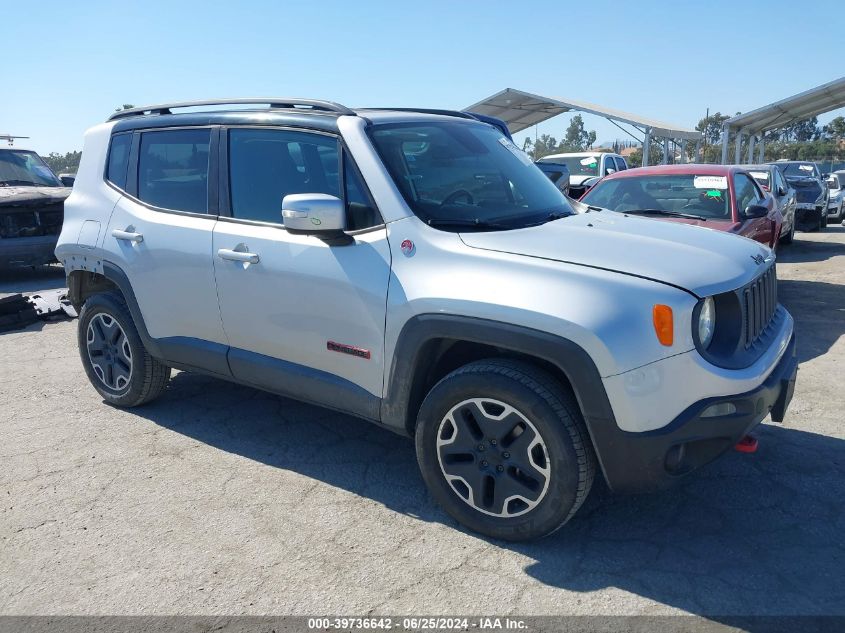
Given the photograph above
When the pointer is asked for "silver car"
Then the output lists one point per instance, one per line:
(771, 179)
(419, 271)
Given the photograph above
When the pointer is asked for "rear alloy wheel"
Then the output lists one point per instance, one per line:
(115, 359)
(109, 352)
(503, 448)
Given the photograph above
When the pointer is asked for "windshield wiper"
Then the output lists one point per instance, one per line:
(558, 215)
(470, 223)
(20, 183)
(674, 214)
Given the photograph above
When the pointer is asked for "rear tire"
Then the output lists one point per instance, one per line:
(113, 355)
(504, 450)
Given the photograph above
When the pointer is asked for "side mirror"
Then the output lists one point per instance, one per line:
(756, 211)
(317, 214)
(67, 181)
(781, 191)
(610, 170)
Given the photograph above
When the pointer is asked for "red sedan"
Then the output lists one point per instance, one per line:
(721, 197)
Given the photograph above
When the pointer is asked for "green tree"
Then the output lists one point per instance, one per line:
(543, 146)
(835, 129)
(655, 155)
(61, 164)
(711, 127)
(577, 138)
(528, 145)
(801, 131)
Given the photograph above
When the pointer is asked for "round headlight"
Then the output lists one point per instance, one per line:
(706, 322)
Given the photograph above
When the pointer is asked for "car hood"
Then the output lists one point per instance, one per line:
(32, 196)
(718, 225)
(694, 258)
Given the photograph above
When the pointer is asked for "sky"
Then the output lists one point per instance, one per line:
(69, 65)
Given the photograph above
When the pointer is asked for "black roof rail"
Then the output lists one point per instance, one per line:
(457, 113)
(463, 114)
(273, 102)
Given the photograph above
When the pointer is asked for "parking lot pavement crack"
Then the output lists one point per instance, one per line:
(34, 527)
(437, 576)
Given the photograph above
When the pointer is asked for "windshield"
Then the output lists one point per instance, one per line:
(24, 168)
(465, 174)
(676, 194)
(762, 178)
(791, 170)
(578, 165)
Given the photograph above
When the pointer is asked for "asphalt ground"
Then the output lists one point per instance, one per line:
(219, 499)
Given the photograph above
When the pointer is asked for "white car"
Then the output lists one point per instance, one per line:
(836, 203)
(586, 168)
(419, 271)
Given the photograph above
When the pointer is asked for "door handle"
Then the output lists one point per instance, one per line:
(128, 236)
(238, 256)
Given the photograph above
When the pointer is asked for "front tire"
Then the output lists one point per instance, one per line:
(504, 450)
(113, 355)
(787, 239)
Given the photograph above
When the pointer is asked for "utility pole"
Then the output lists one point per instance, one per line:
(706, 123)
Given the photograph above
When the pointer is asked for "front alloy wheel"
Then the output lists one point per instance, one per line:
(493, 457)
(503, 448)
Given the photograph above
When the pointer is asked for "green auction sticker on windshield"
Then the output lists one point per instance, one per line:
(710, 182)
(590, 161)
(525, 158)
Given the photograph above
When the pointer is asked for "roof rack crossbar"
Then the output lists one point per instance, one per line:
(273, 102)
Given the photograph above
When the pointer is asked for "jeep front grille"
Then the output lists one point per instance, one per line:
(759, 303)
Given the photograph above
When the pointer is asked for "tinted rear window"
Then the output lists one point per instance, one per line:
(173, 169)
(118, 160)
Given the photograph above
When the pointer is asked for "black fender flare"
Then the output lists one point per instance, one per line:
(115, 274)
(569, 357)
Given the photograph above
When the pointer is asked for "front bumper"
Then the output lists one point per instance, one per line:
(636, 462)
(808, 213)
(27, 251)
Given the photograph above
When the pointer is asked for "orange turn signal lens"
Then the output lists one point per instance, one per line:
(663, 324)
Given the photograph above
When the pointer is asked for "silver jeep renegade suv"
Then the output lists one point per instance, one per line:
(418, 271)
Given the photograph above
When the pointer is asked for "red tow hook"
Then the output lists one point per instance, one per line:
(748, 444)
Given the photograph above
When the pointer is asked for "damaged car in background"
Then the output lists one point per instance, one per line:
(811, 193)
(31, 209)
